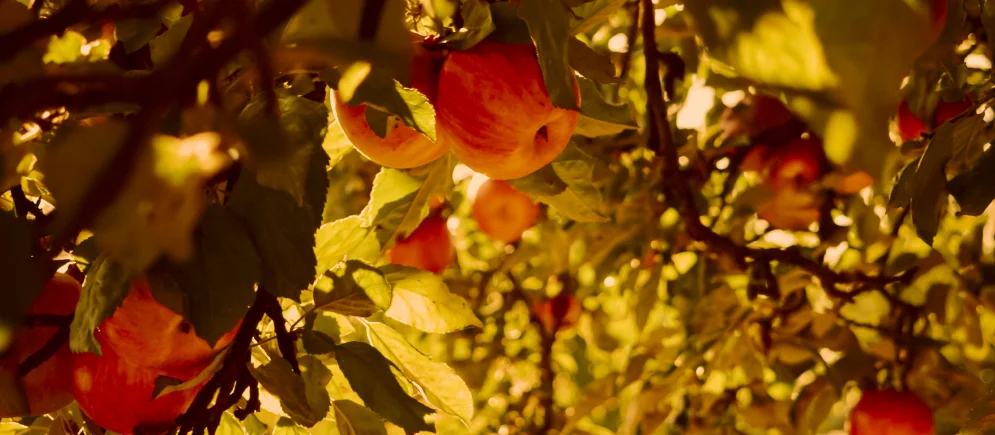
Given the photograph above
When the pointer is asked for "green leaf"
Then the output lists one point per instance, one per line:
(65, 49)
(973, 189)
(597, 116)
(422, 300)
(355, 289)
(385, 95)
(355, 419)
(219, 281)
(590, 64)
(548, 23)
(321, 333)
(591, 14)
(370, 376)
(303, 397)
(477, 25)
(399, 201)
(283, 146)
(342, 240)
(230, 425)
(286, 426)
(105, 287)
(566, 184)
(165, 46)
(509, 28)
(282, 230)
(442, 386)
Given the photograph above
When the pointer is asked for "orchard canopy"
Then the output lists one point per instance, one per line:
(370, 217)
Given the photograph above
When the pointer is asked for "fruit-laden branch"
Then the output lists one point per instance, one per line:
(660, 139)
(228, 385)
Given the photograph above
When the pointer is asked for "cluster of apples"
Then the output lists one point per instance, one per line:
(501, 212)
(141, 341)
(492, 111)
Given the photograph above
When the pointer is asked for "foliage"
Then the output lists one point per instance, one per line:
(194, 142)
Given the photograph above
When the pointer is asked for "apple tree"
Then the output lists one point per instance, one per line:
(512, 217)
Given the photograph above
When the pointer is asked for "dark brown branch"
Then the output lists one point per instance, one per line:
(45, 352)
(272, 308)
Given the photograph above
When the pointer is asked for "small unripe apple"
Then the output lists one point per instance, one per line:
(402, 146)
(48, 387)
(502, 212)
(891, 412)
(428, 247)
(120, 396)
(495, 113)
(146, 333)
(560, 312)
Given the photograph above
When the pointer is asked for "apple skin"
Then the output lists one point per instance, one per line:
(49, 386)
(909, 125)
(403, 147)
(891, 412)
(429, 247)
(118, 395)
(502, 212)
(791, 169)
(946, 110)
(938, 14)
(148, 334)
(754, 115)
(559, 313)
(495, 113)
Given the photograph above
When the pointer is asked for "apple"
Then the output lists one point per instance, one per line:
(146, 333)
(797, 164)
(891, 412)
(428, 247)
(754, 115)
(502, 212)
(558, 313)
(120, 396)
(495, 113)
(938, 14)
(48, 387)
(402, 146)
(946, 110)
(911, 126)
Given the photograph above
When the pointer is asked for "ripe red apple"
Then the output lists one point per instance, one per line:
(910, 126)
(754, 115)
(403, 146)
(560, 312)
(891, 412)
(797, 164)
(118, 395)
(148, 334)
(428, 247)
(495, 113)
(48, 387)
(502, 212)
(946, 110)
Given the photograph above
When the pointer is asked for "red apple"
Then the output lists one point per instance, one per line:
(797, 164)
(946, 110)
(403, 146)
(428, 247)
(560, 312)
(495, 113)
(891, 412)
(502, 212)
(754, 115)
(938, 13)
(148, 334)
(119, 396)
(48, 387)
(910, 126)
